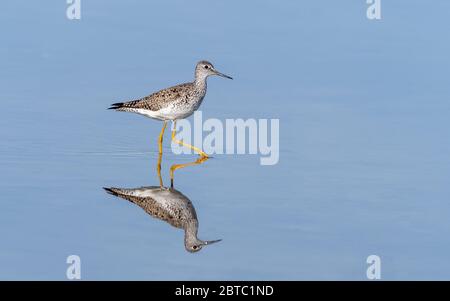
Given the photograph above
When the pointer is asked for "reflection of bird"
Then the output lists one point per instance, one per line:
(174, 103)
(169, 205)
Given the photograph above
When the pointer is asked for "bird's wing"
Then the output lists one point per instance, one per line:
(157, 100)
(161, 210)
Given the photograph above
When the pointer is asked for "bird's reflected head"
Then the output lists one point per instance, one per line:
(197, 244)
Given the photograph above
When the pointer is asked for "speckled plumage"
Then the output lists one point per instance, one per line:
(165, 204)
(169, 205)
(176, 102)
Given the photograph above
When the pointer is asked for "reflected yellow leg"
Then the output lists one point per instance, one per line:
(158, 166)
(196, 149)
(178, 166)
(158, 170)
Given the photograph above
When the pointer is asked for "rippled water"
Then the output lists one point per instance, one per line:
(364, 127)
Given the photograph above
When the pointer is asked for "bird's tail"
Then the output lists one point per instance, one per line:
(116, 106)
(112, 190)
(121, 193)
(127, 194)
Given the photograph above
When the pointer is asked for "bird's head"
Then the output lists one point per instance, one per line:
(205, 69)
(195, 245)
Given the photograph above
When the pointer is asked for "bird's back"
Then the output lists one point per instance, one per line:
(178, 100)
(165, 204)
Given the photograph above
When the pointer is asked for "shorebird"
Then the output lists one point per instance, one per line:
(177, 102)
(169, 205)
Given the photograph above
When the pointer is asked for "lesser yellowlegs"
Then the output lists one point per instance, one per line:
(174, 103)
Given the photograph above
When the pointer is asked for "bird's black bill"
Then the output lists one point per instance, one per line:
(223, 75)
(209, 242)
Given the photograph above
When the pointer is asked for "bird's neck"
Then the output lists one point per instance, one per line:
(200, 81)
(190, 230)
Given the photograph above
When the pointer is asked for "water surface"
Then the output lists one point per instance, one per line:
(364, 127)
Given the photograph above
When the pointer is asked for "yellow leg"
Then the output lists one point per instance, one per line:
(158, 166)
(161, 135)
(178, 166)
(196, 149)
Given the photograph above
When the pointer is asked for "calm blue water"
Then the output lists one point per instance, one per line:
(364, 139)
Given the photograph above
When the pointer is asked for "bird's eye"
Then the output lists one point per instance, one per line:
(194, 247)
(206, 67)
